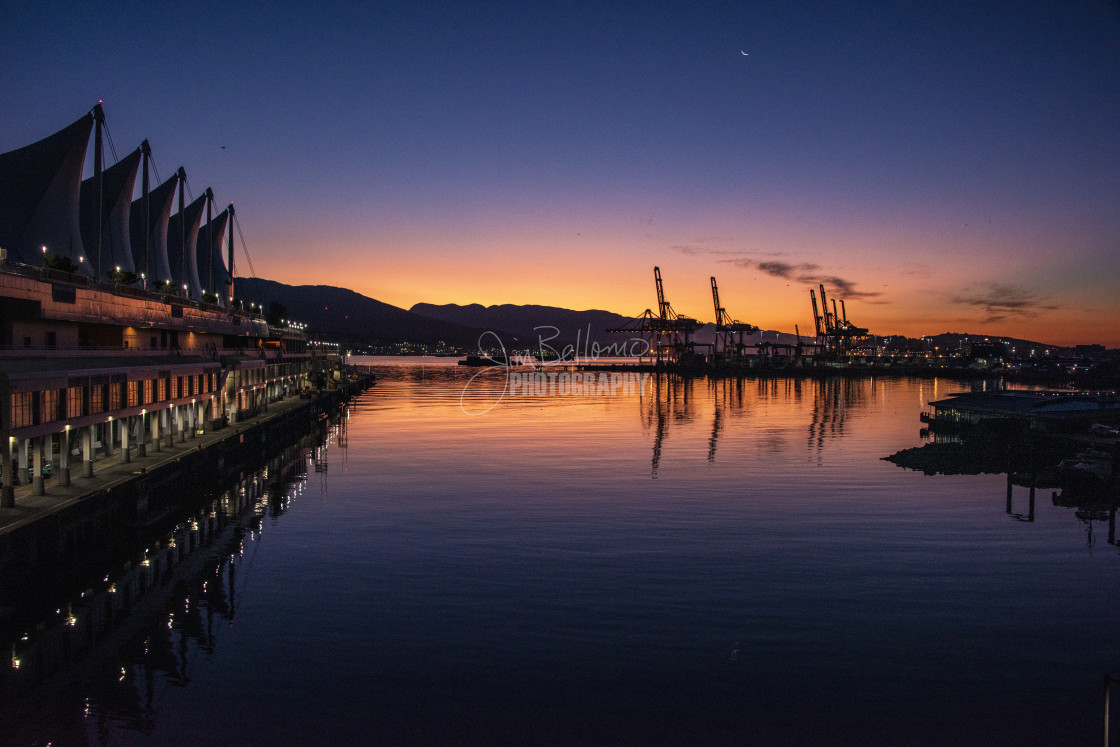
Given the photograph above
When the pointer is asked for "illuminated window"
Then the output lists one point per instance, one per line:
(21, 409)
(74, 402)
(49, 401)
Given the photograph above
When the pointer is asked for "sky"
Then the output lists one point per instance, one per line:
(940, 166)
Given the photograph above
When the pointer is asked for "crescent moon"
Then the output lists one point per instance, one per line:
(745, 54)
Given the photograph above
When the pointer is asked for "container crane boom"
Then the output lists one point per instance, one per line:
(829, 319)
(816, 312)
(719, 309)
(662, 305)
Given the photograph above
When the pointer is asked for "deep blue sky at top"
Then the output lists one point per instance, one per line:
(554, 152)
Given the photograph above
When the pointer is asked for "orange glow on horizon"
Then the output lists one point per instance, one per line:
(903, 305)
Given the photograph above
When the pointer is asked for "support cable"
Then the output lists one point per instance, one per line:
(152, 163)
(244, 247)
(112, 148)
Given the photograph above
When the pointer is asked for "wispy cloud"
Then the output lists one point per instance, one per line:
(846, 288)
(772, 263)
(784, 269)
(1000, 301)
(704, 245)
(808, 273)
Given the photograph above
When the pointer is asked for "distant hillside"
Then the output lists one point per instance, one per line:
(520, 322)
(344, 316)
(964, 340)
(351, 318)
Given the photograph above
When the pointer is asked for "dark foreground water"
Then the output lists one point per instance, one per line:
(678, 562)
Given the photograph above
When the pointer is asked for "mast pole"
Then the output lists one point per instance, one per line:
(99, 120)
(182, 174)
(231, 253)
(210, 238)
(145, 270)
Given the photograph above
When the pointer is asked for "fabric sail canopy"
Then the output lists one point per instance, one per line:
(153, 265)
(182, 240)
(117, 183)
(213, 275)
(40, 190)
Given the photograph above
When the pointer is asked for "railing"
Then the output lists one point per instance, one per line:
(82, 281)
(93, 349)
(112, 351)
(236, 316)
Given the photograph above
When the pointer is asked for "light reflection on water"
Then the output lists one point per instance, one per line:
(697, 561)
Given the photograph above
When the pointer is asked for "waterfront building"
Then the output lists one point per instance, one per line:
(119, 329)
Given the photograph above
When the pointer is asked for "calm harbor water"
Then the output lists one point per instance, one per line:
(666, 561)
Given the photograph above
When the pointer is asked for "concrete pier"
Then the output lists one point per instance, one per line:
(116, 493)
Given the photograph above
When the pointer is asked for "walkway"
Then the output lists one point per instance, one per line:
(110, 472)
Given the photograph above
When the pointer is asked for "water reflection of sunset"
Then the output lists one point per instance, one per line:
(665, 564)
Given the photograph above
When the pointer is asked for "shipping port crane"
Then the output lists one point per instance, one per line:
(817, 318)
(829, 317)
(664, 310)
(843, 328)
(834, 331)
(727, 345)
(667, 333)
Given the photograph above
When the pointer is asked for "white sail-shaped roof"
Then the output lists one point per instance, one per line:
(40, 185)
(184, 261)
(154, 266)
(212, 272)
(117, 183)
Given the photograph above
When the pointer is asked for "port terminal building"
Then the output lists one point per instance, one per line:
(119, 330)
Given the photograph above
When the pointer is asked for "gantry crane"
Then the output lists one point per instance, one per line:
(817, 318)
(834, 331)
(667, 332)
(829, 317)
(726, 331)
(664, 310)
